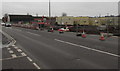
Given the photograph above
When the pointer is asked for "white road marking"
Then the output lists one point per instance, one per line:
(29, 59)
(88, 48)
(36, 65)
(13, 45)
(11, 51)
(16, 47)
(18, 30)
(33, 34)
(19, 50)
(23, 54)
(13, 56)
(8, 48)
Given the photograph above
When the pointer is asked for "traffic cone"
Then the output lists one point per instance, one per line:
(83, 35)
(102, 37)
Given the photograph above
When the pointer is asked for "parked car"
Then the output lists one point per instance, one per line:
(61, 30)
(50, 29)
(7, 25)
(3, 24)
(56, 27)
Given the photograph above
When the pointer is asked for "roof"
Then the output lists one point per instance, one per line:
(39, 17)
(21, 17)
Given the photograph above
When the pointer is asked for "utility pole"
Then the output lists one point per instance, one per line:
(36, 14)
(77, 26)
(107, 24)
(99, 15)
(49, 13)
(107, 14)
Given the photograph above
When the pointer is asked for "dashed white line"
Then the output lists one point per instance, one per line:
(13, 56)
(36, 65)
(87, 48)
(18, 30)
(16, 47)
(33, 34)
(11, 51)
(23, 54)
(19, 50)
(29, 59)
(13, 45)
(8, 48)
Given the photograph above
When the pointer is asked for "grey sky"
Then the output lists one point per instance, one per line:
(57, 8)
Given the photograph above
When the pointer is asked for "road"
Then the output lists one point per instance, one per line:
(66, 51)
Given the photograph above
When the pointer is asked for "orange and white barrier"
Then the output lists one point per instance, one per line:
(102, 37)
(83, 35)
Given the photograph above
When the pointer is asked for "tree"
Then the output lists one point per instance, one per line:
(64, 14)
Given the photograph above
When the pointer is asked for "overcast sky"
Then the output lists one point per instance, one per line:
(57, 8)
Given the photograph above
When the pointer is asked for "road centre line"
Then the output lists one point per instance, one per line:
(87, 48)
(36, 65)
(33, 34)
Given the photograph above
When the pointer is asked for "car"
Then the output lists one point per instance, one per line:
(7, 25)
(3, 24)
(66, 29)
(50, 29)
(61, 30)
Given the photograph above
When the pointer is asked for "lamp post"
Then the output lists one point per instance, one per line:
(107, 24)
(49, 13)
(77, 26)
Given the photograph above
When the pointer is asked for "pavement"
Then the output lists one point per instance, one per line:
(62, 51)
(14, 58)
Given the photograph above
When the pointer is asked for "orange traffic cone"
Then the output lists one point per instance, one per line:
(83, 35)
(102, 37)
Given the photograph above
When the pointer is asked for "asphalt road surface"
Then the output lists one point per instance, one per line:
(5, 40)
(65, 51)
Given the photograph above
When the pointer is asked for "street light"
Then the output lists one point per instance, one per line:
(107, 24)
(49, 13)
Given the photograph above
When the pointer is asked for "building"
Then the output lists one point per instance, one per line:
(95, 21)
(82, 20)
(65, 20)
(17, 18)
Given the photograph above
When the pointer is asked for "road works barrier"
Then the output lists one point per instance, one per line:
(102, 37)
(83, 35)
